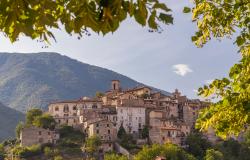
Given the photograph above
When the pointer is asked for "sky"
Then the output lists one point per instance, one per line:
(167, 60)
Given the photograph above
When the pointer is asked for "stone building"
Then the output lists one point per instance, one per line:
(104, 129)
(68, 112)
(34, 135)
(163, 129)
(131, 117)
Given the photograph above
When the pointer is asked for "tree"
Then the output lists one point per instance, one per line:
(92, 145)
(99, 94)
(19, 127)
(212, 154)
(169, 151)
(121, 132)
(222, 18)
(114, 156)
(197, 145)
(58, 158)
(145, 132)
(36, 19)
(45, 121)
(32, 114)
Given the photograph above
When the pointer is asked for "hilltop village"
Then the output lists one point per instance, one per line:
(164, 118)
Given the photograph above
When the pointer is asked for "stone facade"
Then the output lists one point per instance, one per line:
(104, 129)
(164, 130)
(34, 135)
(131, 117)
(68, 112)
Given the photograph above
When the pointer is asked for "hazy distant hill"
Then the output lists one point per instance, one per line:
(8, 121)
(39, 78)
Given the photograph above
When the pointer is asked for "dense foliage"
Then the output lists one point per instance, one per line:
(113, 156)
(222, 18)
(45, 121)
(212, 154)
(169, 151)
(36, 19)
(197, 145)
(92, 146)
(32, 115)
(37, 118)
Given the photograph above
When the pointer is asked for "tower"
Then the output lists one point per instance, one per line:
(115, 85)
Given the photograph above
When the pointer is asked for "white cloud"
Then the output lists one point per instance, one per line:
(182, 69)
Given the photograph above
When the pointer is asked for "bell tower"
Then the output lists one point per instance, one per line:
(115, 85)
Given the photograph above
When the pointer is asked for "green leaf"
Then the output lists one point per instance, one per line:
(151, 21)
(166, 18)
(161, 6)
(186, 10)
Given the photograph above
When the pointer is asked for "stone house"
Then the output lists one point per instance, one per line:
(104, 129)
(68, 112)
(34, 135)
(132, 118)
(164, 130)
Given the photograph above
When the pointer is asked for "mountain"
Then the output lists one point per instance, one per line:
(8, 121)
(35, 79)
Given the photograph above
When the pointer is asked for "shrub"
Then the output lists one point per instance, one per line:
(48, 152)
(58, 158)
(26, 152)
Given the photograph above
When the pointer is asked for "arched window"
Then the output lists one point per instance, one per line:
(66, 108)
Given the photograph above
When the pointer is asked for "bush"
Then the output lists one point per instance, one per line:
(48, 152)
(26, 152)
(113, 156)
(58, 158)
(169, 151)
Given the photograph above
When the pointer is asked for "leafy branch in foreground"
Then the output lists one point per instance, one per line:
(218, 19)
(37, 18)
(231, 114)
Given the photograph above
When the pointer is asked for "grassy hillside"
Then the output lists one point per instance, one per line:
(8, 121)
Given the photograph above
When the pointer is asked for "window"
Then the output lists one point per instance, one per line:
(94, 106)
(163, 138)
(169, 134)
(97, 124)
(67, 121)
(56, 108)
(74, 107)
(97, 131)
(59, 121)
(66, 115)
(108, 131)
(107, 125)
(66, 108)
(40, 132)
(139, 125)
(48, 133)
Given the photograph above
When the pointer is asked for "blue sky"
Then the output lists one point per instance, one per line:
(167, 61)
